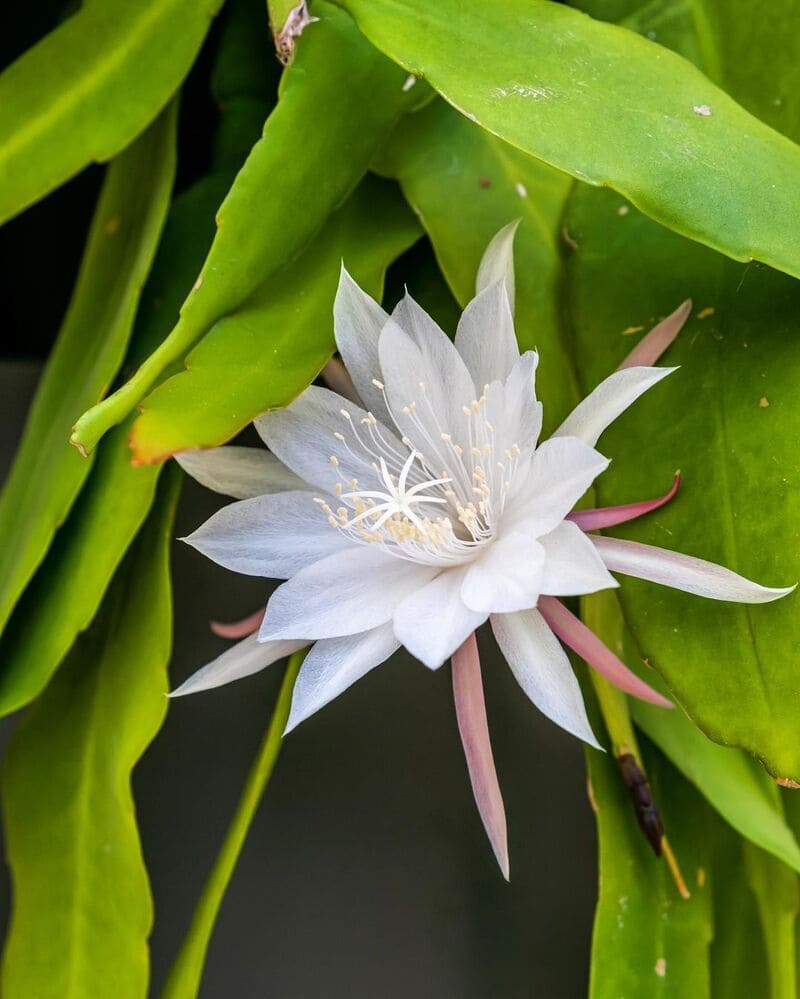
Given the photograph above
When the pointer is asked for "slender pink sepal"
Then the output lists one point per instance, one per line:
(653, 344)
(574, 633)
(608, 516)
(474, 730)
(337, 378)
(239, 629)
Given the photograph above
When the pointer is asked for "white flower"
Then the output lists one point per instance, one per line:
(415, 519)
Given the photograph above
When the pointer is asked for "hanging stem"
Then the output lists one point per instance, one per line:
(184, 978)
(595, 612)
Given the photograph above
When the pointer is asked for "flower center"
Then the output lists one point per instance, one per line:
(475, 474)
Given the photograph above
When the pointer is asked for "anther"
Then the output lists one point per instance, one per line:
(378, 385)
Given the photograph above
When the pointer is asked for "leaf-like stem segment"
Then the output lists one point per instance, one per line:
(184, 978)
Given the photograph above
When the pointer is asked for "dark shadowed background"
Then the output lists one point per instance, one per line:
(367, 872)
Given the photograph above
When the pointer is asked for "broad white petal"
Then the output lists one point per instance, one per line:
(240, 472)
(485, 337)
(246, 657)
(683, 572)
(572, 565)
(272, 536)
(561, 470)
(357, 324)
(352, 591)
(506, 576)
(333, 665)
(543, 670)
(303, 436)
(497, 263)
(611, 398)
(433, 621)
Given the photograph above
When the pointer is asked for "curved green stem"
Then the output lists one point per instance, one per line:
(184, 978)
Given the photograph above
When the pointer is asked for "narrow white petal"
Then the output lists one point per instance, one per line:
(443, 370)
(272, 536)
(357, 323)
(352, 591)
(523, 411)
(561, 471)
(333, 665)
(611, 398)
(543, 670)
(506, 576)
(303, 436)
(246, 657)
(418, 394)
(433, 621)
(572, 565)
(683, 572)
(497, 263)
(240, 472)
(485, 336)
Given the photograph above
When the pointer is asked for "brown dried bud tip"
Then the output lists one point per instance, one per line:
(297, 19)
(647, 814)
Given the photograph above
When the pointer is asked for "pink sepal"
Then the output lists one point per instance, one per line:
(574, 633)
(609, 516)
(653, 344)
(474, 730)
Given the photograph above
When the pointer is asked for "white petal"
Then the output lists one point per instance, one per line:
(246, 657)
(497, 263)
(357, 323)
(302, 436)
(434, 620)
(683, 572)
(543, 670)
(443, 366)
(611, 398)
(572, 565)
(333, 665)
(523, 411)
(354, 590)
(272, 536)
(438, 405)
(485, 336)
(240, 472)
(506, 576)
(561, 471)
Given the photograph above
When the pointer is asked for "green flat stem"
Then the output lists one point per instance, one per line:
(184, 978)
